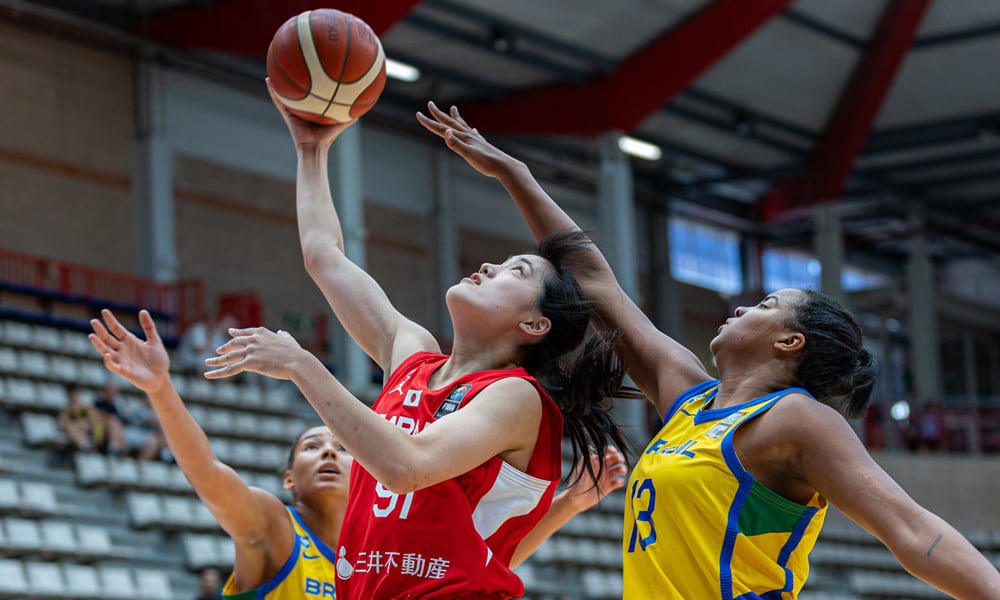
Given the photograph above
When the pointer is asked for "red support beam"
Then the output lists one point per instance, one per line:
(246, 27)
(644, 83)
(852, 119)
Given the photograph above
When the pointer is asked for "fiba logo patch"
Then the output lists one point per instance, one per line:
(453, 401)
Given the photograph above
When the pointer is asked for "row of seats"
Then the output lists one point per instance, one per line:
(890, 585)
(39, 365)
(27, 498)
(594, 524)
(170, 512)
(55, 538)
(95, 470)
(43, 580)
(563, 550)
(602, 585)
(48, 339)
(202, 551)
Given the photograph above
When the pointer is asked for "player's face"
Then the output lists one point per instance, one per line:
(321, 464)
(508, 292)
(756, 328)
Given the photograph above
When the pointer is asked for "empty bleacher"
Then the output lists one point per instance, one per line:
(86, 525)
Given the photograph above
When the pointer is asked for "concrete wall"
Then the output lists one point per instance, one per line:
(963, 490)
(65, 150)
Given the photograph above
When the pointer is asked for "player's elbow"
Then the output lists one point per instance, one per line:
(320, 254)
(401, 479)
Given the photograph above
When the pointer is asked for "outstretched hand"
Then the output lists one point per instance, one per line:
(584, 492)
(145, 364)
(464, 140)
(306, 132)
(255, 349)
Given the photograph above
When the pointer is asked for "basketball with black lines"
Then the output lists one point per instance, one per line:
(326, 66)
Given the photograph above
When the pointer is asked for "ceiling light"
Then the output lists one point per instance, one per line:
(401, 71)
(639, 148)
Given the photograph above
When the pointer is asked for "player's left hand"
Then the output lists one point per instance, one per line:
(464, 140)
(255, 349)
(584, 493)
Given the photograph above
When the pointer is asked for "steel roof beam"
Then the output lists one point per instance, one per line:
(963, 35)
(246, 27)
(642, 84)
(852, 119)
(933, 132)
(816, 26)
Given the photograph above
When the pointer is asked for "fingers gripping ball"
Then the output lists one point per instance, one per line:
(326, 66)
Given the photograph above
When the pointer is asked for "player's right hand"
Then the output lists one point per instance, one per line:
(144, 363)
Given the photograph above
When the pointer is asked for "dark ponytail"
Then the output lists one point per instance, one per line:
(834, 366)
(581, 382)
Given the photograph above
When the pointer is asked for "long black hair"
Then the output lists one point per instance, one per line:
(581, 381)
(833, 365)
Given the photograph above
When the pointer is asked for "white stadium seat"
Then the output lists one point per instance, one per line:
(117, 582)
(45, 579)
(153, 584)
(41, 430)
(38, 498)
(12, 579)
(94, 541)
(81, 581)
(58, 538)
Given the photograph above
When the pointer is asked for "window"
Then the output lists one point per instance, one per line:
(705, 256)
(795, 269)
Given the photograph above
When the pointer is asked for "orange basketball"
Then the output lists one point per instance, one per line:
(326, 66)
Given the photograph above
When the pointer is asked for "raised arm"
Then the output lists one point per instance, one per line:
(357, 299)
(250, 516)
(503, 420)
(660, 367)
(833, 461)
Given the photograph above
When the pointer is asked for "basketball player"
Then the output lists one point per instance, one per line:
(728, 498)
(282, 552)
(461, 455)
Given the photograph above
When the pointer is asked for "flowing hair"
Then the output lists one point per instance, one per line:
(581, 373)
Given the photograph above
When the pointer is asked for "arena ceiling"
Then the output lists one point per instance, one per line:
(763, 109)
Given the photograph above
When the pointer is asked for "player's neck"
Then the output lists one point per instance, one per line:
(467, 358)
(324, 523)
(743, 383)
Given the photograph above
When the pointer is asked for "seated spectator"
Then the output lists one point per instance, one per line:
(112, 422)
(142, 431)
(209, 585)
(200, 341)
(78, 421)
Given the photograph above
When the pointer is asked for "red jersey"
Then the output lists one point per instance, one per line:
(454, 539)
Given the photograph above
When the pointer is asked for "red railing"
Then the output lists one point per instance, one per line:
(183, 300)
(244, 306)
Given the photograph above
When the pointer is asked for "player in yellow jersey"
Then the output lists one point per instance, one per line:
(282, 552)
(728, 498)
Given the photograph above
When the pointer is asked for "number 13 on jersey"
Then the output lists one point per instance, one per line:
(643, 531)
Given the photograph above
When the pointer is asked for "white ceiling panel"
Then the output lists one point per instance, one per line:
(786, 72)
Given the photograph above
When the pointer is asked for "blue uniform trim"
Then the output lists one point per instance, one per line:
(792, 543)
(320, 545)
(712, 414)
(746, 482)
(686, 395)
(286, 568)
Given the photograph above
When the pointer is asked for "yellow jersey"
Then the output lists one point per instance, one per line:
(698, 525)
(309, 572)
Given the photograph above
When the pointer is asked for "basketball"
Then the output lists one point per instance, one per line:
(326, 66)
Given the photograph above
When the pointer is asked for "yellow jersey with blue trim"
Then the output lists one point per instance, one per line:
(309, 573)
(699, 525)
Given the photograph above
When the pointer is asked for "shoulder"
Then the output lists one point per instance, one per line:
(815, 433)
(512, 388)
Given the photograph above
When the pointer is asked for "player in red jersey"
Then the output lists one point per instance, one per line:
(460, 457)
